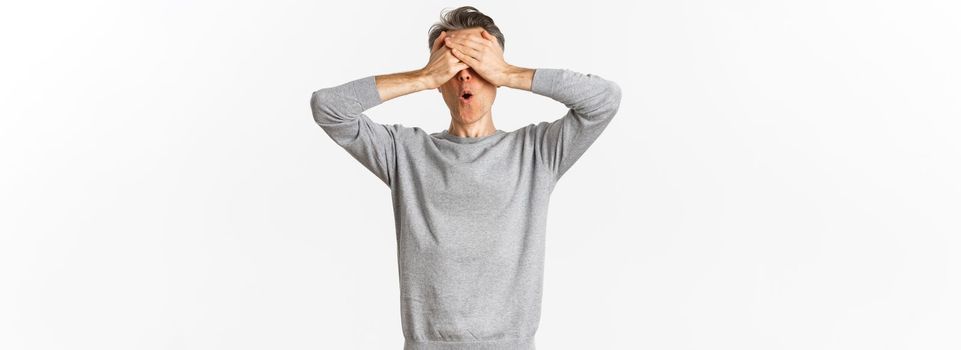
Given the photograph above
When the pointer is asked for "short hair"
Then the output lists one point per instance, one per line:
(462, 18)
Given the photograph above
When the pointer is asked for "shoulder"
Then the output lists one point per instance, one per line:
(529, 134)
(408, 134)
(534, 131)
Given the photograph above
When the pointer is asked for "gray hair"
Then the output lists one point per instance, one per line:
(462, 18)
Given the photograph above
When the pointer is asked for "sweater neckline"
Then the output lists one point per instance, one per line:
(459, 139)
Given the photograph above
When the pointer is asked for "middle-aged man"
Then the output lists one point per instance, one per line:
(470, 202)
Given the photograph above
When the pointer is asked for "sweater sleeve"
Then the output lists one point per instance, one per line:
(338, 111)
(592, 103)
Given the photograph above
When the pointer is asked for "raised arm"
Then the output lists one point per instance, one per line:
(339, 109)
(394, 85)
(592, 101)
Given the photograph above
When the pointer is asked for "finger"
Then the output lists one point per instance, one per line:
(478, 41)
(470, 61)
(471, 46)
(438, 41)
(464, 51)
(450, 52)
(487, 36)
(453, 45)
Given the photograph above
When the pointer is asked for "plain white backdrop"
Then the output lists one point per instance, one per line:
(780, 175)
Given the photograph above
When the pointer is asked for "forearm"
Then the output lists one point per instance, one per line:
(399, 84)
(590, 95)
(345, 102)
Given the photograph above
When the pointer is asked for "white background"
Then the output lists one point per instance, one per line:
(780, 175)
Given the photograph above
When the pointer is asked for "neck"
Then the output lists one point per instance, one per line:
(480, 128)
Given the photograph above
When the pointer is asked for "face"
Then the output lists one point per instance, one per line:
(478, 105)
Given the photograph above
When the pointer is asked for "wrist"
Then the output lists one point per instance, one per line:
(519, 77)
(421, 79)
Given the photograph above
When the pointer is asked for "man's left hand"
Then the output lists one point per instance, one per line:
(483, 54)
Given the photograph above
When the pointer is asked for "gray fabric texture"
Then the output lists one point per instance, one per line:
(470, 213)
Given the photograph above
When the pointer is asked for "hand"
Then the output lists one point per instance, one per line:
(482, 53)
(442, 64)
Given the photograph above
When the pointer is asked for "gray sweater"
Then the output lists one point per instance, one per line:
(470, 213)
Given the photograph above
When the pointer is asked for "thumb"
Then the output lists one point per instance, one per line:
(486, 35)
(438, 41)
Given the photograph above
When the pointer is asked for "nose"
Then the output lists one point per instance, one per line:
(464, 74)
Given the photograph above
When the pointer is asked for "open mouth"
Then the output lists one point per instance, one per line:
(466, 97)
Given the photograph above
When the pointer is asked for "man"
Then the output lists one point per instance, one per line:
(470, 202)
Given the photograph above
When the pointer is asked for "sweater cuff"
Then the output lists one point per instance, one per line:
(543, 81)
(365, 91)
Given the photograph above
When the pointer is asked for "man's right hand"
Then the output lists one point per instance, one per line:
(442, 65)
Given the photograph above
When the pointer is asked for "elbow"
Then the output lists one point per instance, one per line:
(602, 104)
(320, 108)
(614, 91)
(317, 100)
(613, 98)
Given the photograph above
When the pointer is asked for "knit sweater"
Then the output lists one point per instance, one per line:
(470, 212)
